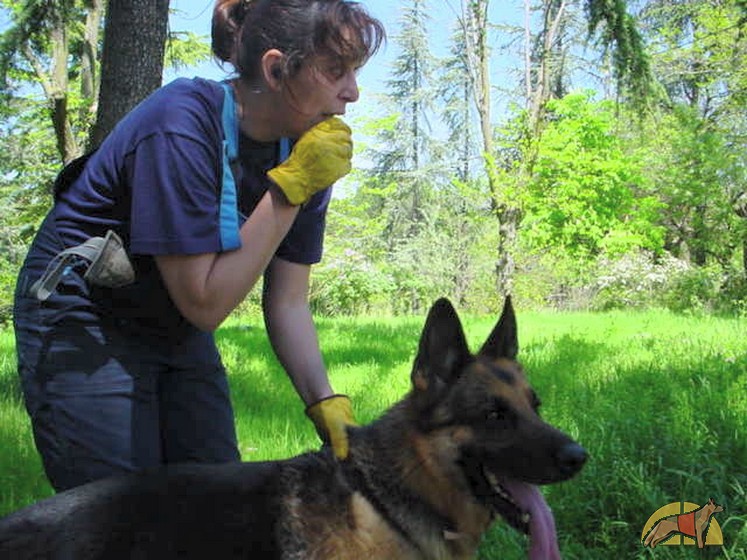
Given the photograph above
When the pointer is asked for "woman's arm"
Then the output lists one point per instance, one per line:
(293, 336)
(291, 328)
(207, 287)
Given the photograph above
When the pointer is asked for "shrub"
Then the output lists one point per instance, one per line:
(349, 285)
(694, 288)
(635, 280)
(8, 273)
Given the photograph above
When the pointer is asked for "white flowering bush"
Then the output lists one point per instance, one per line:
(643, 279)
(635, 279)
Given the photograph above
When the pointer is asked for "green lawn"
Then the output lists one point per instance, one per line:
(659, 400)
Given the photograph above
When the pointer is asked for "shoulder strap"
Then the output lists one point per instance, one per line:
(229, 216)
(285, 149)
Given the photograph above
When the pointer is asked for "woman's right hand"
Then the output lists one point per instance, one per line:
(319, 158)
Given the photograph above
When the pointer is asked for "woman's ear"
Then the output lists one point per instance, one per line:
(272, 69)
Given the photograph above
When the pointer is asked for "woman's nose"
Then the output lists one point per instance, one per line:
(349, 92)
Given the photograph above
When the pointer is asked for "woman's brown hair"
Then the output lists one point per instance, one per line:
(243, 30)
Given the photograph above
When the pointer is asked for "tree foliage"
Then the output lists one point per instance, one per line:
(618, 33)
(587, 197)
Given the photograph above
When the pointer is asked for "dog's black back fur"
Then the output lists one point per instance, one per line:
(188, 511)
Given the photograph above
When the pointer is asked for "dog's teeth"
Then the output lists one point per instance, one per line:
(526, 518)
(497, 487)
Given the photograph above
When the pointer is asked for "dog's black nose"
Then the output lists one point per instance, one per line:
(571, 457)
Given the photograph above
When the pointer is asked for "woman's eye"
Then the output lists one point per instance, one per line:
(337, 71)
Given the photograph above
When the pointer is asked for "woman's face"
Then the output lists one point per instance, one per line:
(321, 89)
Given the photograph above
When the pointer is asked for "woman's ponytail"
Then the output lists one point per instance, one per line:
(228, 17)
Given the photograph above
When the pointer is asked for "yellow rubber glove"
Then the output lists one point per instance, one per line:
(330, 417)
(320, 157)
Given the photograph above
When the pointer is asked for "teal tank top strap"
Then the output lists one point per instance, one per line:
(229, 213)
(285, 149)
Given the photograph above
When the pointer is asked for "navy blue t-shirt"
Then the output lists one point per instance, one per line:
(156, 180)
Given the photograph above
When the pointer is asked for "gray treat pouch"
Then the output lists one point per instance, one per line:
(109, 267)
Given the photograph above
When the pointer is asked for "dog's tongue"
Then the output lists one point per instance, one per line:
(543, 540)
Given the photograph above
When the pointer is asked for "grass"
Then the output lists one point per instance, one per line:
(659, 400)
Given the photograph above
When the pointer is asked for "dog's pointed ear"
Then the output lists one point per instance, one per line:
(443, 350)
(503, 342)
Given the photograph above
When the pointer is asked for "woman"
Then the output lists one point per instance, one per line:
(120, 370)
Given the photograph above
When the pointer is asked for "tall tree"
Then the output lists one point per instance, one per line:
(700, 48)
(408, 154)
(132, 61)
(409, 89)
(616, 31)
(55, 44)
(456, 89)
(544, 64)
(475, 28)
(464, 161)
(541, 74)
(50, 61)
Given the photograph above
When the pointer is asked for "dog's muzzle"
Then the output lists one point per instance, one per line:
(521, 503)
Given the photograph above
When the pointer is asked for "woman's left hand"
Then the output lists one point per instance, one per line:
(331, 416)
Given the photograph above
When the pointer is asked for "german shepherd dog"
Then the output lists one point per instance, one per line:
(692, 524)
(425, 481)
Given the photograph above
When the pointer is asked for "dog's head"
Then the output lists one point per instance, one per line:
(712, 506)
(486, 402)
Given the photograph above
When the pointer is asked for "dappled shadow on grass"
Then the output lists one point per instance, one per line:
(384, 344)
(564, 363)
(363, 345)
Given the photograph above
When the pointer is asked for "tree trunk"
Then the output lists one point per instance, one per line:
(89, 87)
(475, 24)
(132, 61)
(740, 207)
(549, 61)
(54, 81)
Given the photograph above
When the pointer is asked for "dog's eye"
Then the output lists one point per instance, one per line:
(500, 413)
(496, 415)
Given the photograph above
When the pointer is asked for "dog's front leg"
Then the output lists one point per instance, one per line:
(699, 537)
